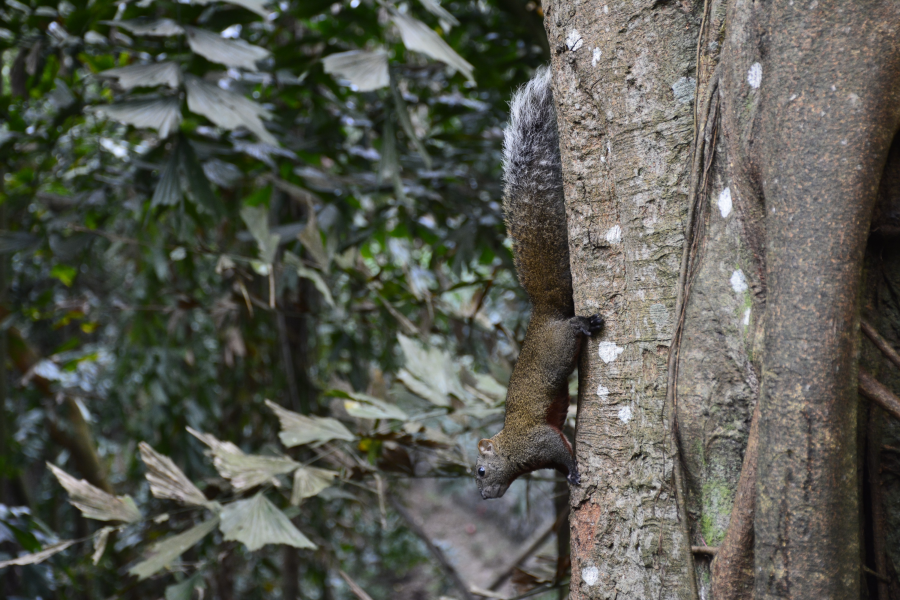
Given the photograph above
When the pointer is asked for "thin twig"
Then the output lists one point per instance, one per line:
(878, 576)
(878, 393)
(354, 587)
(880, 343)
(486, 593)
(528, 551)
(541, 590)
(707, 550)
(436, 552)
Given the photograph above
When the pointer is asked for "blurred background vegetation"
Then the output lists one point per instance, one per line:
(207, 205)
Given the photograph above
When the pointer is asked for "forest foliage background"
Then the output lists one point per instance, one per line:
(208, 220)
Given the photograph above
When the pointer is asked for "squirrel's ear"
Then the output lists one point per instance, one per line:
(486, 447)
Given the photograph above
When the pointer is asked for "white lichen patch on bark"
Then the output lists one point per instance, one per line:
(724, 203)
(574, 41)
(754, 76)
(590, 575)
(609, 352)
(738, 282)
(614, 235)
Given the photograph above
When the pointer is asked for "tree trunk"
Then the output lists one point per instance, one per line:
(722, 161)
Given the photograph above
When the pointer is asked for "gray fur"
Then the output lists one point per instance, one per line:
(532, 168)
(533, 198)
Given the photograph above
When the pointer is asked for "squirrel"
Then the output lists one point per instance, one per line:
(537, 399)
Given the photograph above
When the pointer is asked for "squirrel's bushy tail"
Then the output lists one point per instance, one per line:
(533, 197)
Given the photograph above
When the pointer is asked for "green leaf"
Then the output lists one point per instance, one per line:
(164, 552)
(309, 481)
(100, 539)
(159, 27)
(64, 273)
(293, 261)
(366, 71)
(257, 522)
(435, 8)
(429, 373)
(364, 406)
(257, 6)
(227, 109)
(198, 185)
(185, 589)
(297, 429)
(231, 53)
(167, 480)
(419, 37)
(257, 220)
(146, 75)
(93, 502)
(33, 559)
(168, 190)
(244, 471)
(161, 114)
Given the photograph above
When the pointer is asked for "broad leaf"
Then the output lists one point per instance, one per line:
(257, 220)
(33, 559)
(244, 471)
(435, 8)
(164, 552)
(161, 114)
(429, 373)
(158, 27)
(309, 481)
(364, 406)
(419, 37)
(93, 502)
(293, 261)
(167, 480)
(297, 429)
(227, 109)
(168, 189)
(185, 589)
(257, 522)
(100, 539)
(257, 6)
(149, 75)
(231, 53)
(198, 186)
(366, 71)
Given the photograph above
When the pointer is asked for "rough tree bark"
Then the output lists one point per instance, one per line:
(733, 198)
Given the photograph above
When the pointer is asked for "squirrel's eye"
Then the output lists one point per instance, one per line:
(481, 471)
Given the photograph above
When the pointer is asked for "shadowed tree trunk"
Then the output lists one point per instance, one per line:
(731, 191)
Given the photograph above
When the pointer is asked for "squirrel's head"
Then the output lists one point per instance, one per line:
(491, 471)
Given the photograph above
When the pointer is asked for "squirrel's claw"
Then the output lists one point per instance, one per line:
(574, 478)
(595, 324)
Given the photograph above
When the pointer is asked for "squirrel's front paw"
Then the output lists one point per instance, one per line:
(595, 324)
(574, 478)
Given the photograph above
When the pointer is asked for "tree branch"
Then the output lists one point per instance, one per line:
(436, 552)
(530, 549)
(78, 440)
(878, 393)
(880, 343)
